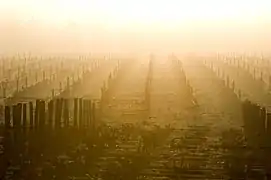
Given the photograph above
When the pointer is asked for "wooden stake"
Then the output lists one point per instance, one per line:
(262, 129)
(14, 117)
(61, 104)
(42, 115)
(94, 114)
(75, 113)
(268, 130)
(19, 114)
(36, 124)
(89, 113)
(24, 116)
(81, 112)
(50, 113)
(7, 117)
(66, 113)
(85, 112)
(31, 111)
(57, 116)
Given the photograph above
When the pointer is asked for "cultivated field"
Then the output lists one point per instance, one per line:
(157, 117)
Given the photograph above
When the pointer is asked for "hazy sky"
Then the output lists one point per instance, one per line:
(142, 25)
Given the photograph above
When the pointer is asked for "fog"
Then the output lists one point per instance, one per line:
(127, 26)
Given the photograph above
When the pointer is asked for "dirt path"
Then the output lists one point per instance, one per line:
(169, 99)
(126, 103)
(191, 149)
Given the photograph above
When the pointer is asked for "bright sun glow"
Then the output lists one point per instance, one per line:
(116, 13)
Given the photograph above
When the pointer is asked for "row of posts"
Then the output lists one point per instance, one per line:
(238, 61)
(257, 125)
(226, 79)
(188, 86)
(22, 81)
(247, 67)
(257, 121)
(108, 85)
(57, 113)
(64, 91)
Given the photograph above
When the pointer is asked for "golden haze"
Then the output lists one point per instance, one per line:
(42, 26)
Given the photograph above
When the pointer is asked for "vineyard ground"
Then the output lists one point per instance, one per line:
(173, 138)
